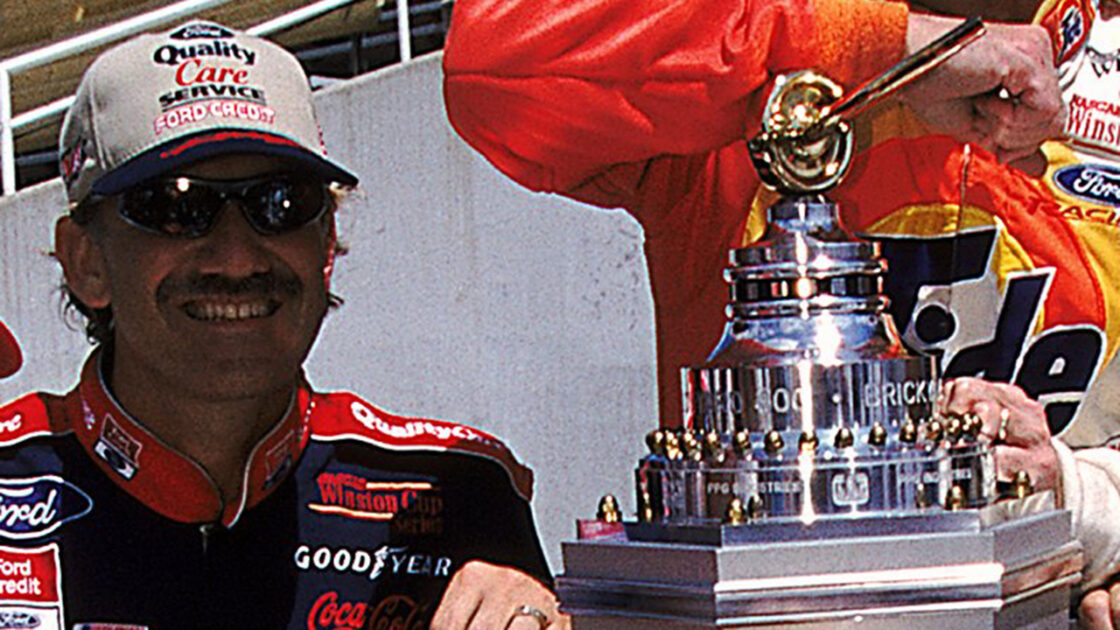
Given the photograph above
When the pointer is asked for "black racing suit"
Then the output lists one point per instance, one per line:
(349, 518)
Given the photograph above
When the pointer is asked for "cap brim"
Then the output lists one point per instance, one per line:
(213, 143)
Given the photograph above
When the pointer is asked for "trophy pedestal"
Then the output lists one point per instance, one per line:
(960, 573)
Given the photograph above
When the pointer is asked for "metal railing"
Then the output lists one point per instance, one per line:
(9, 123)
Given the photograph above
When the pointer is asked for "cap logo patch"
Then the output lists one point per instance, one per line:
(193, 71)
(71, 162)
(199, 112)
(202, 31)
(204, 92)
(171, 55)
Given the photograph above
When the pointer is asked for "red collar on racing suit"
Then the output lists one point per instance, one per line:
(164, 479)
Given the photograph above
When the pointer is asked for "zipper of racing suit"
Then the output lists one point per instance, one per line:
(206, 530)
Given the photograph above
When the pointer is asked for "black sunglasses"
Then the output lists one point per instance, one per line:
(189, 207)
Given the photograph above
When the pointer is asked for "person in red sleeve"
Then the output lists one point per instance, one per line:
(194, 478)
(647, 106)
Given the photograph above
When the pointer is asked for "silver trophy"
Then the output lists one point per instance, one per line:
(813, 485)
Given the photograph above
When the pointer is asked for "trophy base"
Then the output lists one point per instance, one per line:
(976, 575)
(1024, 619)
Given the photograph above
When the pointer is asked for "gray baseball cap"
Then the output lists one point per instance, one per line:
(161, 101)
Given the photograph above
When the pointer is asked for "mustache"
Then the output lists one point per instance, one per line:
(259, 285)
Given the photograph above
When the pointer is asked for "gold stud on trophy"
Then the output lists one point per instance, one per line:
(774, 442)
(1022, 484)
(954, 428)
(693, 449)
(754, 507)
(973, 425)
(688, 443)
(908, 432)
(609, 511)
(713, 448)
(688, 440)
(934, 430)
(844, 438)
(673, 446)
(921, 498)
(645, 510)
(743, 443)
(954, 501)
(735, 514)
(808, 442)
(878, 435)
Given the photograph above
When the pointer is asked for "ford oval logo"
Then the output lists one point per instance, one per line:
(1092, 182)
(18, 620)
(37, 506)
(202, 30)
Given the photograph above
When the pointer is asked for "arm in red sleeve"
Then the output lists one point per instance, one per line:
(594, 98)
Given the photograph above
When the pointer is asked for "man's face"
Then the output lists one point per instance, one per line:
(228, 315)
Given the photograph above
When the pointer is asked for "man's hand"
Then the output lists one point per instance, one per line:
(483, 596)
(1000, 92)
(1100, 609)
(1016, 424)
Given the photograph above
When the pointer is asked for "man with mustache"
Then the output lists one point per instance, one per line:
(194, 478)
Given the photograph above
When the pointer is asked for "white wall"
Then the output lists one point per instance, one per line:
(30, 299)
(467, 298)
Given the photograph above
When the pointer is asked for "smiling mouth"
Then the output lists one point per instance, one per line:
(213, 311)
